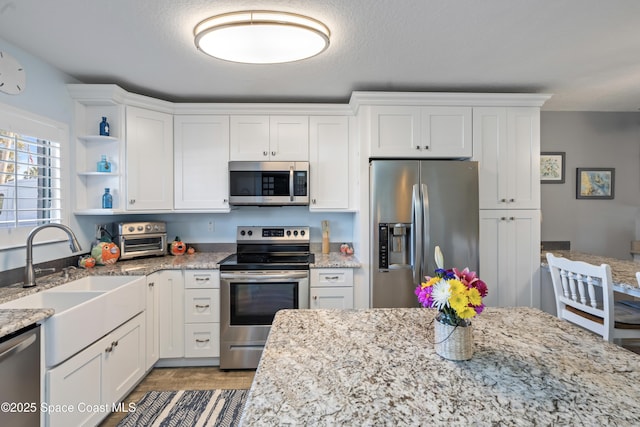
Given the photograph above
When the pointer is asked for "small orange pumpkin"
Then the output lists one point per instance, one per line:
(177, 247)
(87, 262)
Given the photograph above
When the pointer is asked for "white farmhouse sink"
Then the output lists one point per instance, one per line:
(95, 283)
(85, 310)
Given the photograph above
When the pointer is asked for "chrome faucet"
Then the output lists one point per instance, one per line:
(29, 272)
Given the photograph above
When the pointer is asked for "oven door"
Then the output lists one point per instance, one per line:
(249, 301)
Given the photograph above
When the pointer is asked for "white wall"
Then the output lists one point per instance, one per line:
(593, 139)
(45, 95)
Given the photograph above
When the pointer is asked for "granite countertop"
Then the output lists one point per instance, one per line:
(335, 260)
(12, 320)
(378, 367)
(623, 272)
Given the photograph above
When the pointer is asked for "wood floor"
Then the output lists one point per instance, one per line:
(168, 379)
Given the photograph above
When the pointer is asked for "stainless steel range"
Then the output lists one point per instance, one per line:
(269, 272)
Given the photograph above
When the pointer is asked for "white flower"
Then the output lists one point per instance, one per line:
(440, 294)
(439, 258)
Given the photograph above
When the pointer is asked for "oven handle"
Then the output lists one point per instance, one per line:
(265, 276)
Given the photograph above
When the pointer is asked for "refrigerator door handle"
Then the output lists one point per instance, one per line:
(426, 244)
(416, 235)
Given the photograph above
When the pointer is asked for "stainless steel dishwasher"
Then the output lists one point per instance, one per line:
(20, 373)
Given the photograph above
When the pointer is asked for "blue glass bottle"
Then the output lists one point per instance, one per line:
(104, 165)
(104, 127)
(107, 199)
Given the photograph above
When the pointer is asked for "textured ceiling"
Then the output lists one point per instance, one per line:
(585, 52)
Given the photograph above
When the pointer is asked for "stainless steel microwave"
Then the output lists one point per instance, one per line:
(268, 183)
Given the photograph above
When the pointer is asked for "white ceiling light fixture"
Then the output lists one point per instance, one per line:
(261, 37)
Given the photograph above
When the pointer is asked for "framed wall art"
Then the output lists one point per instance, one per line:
(595, 183)
(552, 167)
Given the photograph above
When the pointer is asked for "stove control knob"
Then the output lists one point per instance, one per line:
(140, 228)
(288, 233)
(302, 232)
(295, 232)
(148, 227)
(249, 232)
(156, 227)
(242, 233)
(131, 228)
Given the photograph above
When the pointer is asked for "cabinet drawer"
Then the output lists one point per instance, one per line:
(332, 277)
(197, 279)
(202, 340)
(202, 305)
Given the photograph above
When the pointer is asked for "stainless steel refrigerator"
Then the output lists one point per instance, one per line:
(417, 205)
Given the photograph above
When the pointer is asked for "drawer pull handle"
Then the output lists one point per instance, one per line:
(202, 279)
(202, 306)
(202, 341)
(331, 277)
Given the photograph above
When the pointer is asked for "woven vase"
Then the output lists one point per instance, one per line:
(453, 342)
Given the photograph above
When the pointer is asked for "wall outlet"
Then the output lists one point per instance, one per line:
(210, 226)
(99, 232)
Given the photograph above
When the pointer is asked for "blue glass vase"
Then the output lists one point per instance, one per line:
(107, 199)
(104, 127)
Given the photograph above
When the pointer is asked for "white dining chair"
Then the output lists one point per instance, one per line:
(584, 296)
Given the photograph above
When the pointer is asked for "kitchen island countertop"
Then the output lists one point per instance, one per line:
(378, 367)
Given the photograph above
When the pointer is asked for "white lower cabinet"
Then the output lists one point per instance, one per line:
(510, 257)
(331, 288)
(202, 313)
(84, 389)
(169, 285)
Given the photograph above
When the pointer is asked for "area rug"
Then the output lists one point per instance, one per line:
(187, 408)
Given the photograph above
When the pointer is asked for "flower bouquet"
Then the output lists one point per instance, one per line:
(458, 297)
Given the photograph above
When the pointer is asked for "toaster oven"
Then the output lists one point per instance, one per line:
(141, 239)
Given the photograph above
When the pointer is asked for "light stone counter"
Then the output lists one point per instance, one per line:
(12, 320)
(378, 367)
(335, 260)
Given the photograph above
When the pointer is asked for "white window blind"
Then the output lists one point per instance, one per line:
(30, 181)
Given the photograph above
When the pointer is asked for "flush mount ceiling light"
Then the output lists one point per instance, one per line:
(261, 37)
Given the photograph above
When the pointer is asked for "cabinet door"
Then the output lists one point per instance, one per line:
(289, 138)
(507, 147)
(249, 138)
(510, 257)
(170, 288)
(329, 162)
(149, 172)
(395, 131)
(124, 359)
(523, 164)
(202, 279)
(490, 150)
(151, 318)
(331, 298)
(202, 305)
(446, 132)
(78, 379)
(202, 340)
(201, 159)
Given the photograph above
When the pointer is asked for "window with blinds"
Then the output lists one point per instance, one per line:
(30, 181)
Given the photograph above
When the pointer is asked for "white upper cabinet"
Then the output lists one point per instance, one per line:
(329, 163)
(507, 147)
(201, 162)
(421, 132)
(149, 159)
(275, 138)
